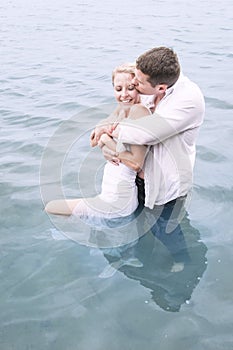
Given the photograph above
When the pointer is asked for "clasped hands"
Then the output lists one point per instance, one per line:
(98, 137)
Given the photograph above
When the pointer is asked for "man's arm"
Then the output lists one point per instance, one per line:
(107, 125)
(156, 128)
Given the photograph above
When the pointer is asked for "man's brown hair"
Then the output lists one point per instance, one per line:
(160, 64)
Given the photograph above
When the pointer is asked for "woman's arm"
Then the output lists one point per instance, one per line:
(106, 140)
(136, 156)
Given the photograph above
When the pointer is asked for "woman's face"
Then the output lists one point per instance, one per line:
(124, 89)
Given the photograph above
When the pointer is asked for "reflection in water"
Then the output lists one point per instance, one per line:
(159, 248)
(170, 262)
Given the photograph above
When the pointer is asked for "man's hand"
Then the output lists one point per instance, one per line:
(93, 139)
(97, 138)
(115, 130)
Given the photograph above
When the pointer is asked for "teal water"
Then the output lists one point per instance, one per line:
(56, 62)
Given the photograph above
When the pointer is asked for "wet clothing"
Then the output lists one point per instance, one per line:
(171, 133)
(118, 195)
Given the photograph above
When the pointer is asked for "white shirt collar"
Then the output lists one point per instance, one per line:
(148, 100)
(171, 89)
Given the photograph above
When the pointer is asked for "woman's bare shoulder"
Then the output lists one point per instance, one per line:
(138, 111)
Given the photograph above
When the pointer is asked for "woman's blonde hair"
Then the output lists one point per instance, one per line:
(124, 68)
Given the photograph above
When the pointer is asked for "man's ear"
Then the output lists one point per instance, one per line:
(162, 88)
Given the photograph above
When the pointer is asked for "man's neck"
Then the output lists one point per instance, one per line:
(158, 99)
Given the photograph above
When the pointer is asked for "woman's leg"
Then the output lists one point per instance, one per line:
(61, 206)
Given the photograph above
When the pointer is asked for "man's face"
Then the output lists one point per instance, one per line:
(142, 84)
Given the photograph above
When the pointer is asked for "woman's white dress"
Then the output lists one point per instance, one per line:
(118, 195)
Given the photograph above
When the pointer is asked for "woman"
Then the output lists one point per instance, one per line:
(118, 197)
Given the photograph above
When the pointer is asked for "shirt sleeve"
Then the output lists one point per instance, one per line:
(156, 128)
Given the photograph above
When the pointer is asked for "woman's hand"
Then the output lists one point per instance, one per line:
(110, 155)
(99, 131)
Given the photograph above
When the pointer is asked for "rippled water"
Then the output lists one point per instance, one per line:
(56, 61)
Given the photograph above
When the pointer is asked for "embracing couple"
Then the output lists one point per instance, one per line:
(149, 140)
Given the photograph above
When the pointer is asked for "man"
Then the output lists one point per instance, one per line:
(171, 130)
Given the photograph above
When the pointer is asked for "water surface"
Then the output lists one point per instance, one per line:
(56, 62)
